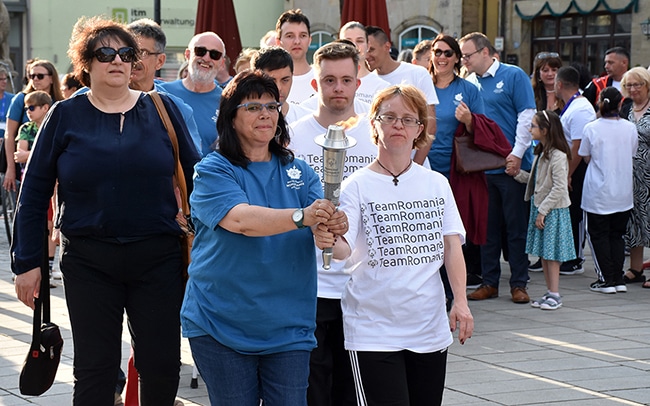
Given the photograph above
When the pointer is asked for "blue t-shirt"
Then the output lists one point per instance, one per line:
(256, 295)
(4, 110)
(17, 109)
(450, 97)
(206, 110)
(505, 95)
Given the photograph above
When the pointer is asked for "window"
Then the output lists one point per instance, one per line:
(582, 39)
(318, 39)
(413, 35)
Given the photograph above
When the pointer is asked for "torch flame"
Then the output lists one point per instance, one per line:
(349, 123)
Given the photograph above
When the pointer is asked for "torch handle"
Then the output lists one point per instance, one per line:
(332, 194)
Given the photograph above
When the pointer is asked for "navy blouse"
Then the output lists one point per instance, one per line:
(113, 184)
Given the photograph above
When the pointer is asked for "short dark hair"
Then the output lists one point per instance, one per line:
(292, 16)
(378, 33)
(38, 98)
(422, 47)
(619, 51)
(569, 77)
(87, 34)
(480, 41)
(248, 84)
(272, 58)
(148, 28)
(334, 51)
(70, 81)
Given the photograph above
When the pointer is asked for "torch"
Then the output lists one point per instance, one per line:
(334, 143)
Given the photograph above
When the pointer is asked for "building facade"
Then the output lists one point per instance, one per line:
(579, 30)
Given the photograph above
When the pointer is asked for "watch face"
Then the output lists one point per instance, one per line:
(297, 215)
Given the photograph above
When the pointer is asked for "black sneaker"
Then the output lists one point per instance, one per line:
(536, 267)
(602, 287)
(571, 268)
(474, 281)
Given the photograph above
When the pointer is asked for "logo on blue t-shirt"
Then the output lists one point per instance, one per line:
(294, 174)
(458, 98)
(499, 87)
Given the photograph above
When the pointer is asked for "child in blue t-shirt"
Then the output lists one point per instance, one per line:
(37, 104)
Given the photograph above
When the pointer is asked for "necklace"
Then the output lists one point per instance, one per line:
(395, 180)
(642, 108)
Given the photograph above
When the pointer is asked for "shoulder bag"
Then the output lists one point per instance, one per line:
(180, 188)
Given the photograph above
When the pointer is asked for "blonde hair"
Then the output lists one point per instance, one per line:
(638, 73)
(413, 99)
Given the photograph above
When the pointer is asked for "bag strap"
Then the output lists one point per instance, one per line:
(179, 175)
(42, 304)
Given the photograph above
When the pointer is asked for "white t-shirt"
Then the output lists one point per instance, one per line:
(577, 115)
(296, 112)
(370, 85)
(415, 75)
(360, 107)
(395, 299)
(301, 88)
(612, 145)
(331, 282)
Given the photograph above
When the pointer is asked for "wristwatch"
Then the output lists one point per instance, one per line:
(298, 216)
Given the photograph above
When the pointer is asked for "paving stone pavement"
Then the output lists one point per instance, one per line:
(593, 351)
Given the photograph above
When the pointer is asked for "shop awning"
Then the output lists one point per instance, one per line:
(529, 9)
(367, 12)
(219, 16)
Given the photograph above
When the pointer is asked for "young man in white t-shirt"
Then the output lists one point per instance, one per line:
(378, 59)
(577, 113)
(294, 36)
(336, 82)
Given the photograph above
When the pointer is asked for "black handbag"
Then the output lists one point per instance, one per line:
(42, 361)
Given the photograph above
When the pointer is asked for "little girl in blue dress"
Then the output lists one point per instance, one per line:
(549, 228)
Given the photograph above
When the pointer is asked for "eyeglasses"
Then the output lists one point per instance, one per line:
(31, 108)
(544, 55)
(255, 107)
(634, 85)
(387, 119)
(215, 54)
(144, 53)
(467, 56)
(447, 52)
(39, 76)
(107, 54)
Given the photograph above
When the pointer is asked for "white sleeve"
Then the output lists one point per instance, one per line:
(523, 137)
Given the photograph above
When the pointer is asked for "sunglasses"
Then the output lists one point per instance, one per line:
(39, 76)
(544, 55)
(31, 108)
(215, 55)
(107, 54)
(448, 52)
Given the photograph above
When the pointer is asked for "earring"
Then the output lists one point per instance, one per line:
(278, 131)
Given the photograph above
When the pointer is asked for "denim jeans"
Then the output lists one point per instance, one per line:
(235, 379)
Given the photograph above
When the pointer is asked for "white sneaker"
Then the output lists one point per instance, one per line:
(620, 288)
(57, 275)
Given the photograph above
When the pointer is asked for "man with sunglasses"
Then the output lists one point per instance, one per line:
(199, 89)
(509, 101)
(378, 59)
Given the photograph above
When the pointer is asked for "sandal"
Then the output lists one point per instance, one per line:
(646, 285)
(638, 277)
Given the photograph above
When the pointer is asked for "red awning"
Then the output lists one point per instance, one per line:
(219, 16)
(367, 12)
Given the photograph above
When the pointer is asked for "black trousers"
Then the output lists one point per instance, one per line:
(401, 378)
(577, 215)
(330, 373)
(103, 279)
(607, 246)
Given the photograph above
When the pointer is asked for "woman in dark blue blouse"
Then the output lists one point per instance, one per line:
(114, 162)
